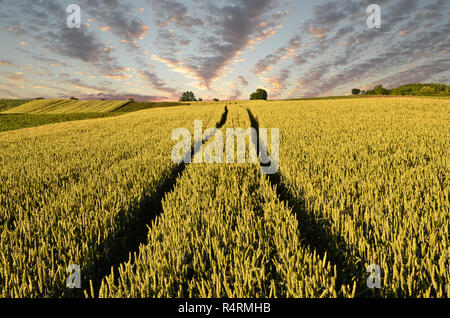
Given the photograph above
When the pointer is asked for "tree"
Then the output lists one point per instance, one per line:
(260, 94)
(74, 98)
(216, 99)
(356, 91)
(431, 89)
(188, 97)
(380, 90)
(200, 99)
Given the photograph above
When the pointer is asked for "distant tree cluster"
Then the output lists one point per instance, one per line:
(431, 89)
(422, 90)
(188, 97)
(356, 91)
(260, 94)
(378, 90)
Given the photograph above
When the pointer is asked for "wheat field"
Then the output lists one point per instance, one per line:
(361, 182)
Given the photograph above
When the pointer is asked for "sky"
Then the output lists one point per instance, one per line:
(153, 50)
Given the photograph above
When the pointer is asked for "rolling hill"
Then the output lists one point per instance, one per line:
(58, 106)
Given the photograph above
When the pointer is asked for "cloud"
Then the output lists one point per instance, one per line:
(6, 93)
(6, 62)
(158, 84)
(77, 83)
(352, 54)
(117, 17)
(174, 24)
(50, 61)
(417, 74)
(97, 91)
(327, 16)
(232, 28)
(84, 45)
(242, 81)
(319, 81)
(288, 51)
(77, 44)
(239, 25)
(174, 13)
(235, 92)
(45, 23)
(136, 97)
(278, 83)
(169, 39)
(211, 40)
(16, 77)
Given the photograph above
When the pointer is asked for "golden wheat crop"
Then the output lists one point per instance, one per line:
(361, 182)
(370, 180)
(71, 193)
(223, 233)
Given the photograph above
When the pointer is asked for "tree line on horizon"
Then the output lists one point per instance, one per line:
(189, 96)
(431, 89)
(416, 89)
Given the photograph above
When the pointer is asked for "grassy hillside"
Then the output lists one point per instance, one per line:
(10, 122)
(19, 114)
(58, 106)
(6, 104)
(136, 106)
